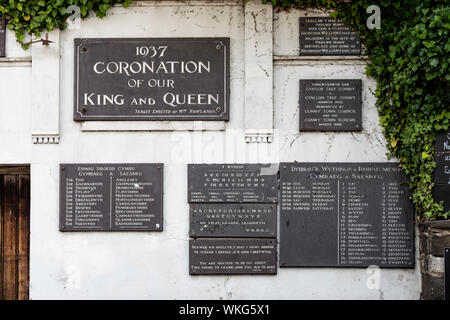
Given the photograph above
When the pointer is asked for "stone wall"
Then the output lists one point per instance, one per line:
(434, 238)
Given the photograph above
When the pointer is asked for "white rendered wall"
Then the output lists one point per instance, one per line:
(149, 265)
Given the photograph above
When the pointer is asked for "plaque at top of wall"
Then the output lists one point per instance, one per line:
(111, 197)
(232, 183)
(442, 157)
(330, 105)
(152, 79)
(2, 36)
(325, 36)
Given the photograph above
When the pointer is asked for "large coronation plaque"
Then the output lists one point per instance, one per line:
(2, 36)
(330, 105)
(232, 256)
(152, 79)
(345, 215)
(232, 183)
(233, 220)
(325, 36)
(111, 197)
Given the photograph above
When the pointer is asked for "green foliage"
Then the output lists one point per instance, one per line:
(409, 57)
(34, 16)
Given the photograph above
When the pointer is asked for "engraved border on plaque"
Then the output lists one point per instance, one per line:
(258, 256)
(306, 22)
(222, 115)
(342, 215)
(233, 220)
(109, 197)
(237, 187)
(320, 113)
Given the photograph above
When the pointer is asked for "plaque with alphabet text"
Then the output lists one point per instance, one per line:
(330, 105)
(232, 183)
(232, 256)
(345, 215)
(111, 197)
(152, 79)
(2, 36)
(325, 36)
(233, 220)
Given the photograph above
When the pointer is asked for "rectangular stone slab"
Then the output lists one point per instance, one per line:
(330, 105)
(233, 220)
(2, 36)
(345, 215)
(325, 36)
(152, 79)
(111, 197)
(232, 183)
(232, 256)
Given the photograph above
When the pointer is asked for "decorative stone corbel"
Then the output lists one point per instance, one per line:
(258, 72)
(45, 89)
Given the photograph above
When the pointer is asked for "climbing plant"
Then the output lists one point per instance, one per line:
(409, 56)
(34, 16)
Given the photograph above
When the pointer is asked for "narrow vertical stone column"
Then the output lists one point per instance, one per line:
(258, 72)
(45, 89)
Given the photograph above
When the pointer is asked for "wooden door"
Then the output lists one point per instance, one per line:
(14, 232)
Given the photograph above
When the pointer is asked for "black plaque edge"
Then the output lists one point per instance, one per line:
(3, 39)
(360, 129)
(277, 187)
(284, 165)
(447, 273)
(327, 54)
(225, 116)
(276, 242)
(273, 235)
(98, 230)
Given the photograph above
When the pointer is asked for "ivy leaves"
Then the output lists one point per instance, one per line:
(34, 16)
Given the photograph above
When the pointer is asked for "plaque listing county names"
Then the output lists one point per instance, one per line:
(232, 183)
(232, 256)
(345, 215)
(2, 36)
(442, 171)
(330, 105)
(250, 220)
(111, 197)
(152, 79)
(325, 36)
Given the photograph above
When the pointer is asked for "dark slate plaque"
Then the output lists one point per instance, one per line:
(111, 197)
(447, 274)
(330, 105)
(2, 36)
(442, 157)
(345, 215)
(233, 220)
(232, 183)
(236, 256)
(325, 36)
(441, 192)
(152, 79)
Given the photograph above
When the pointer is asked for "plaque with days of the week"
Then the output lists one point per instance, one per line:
(152, 79)
(330, 105)
(111, 197)
(232, 183)
(325, 36)
(345, 215)
(233, 220)
(2, 36)
(232, 256)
